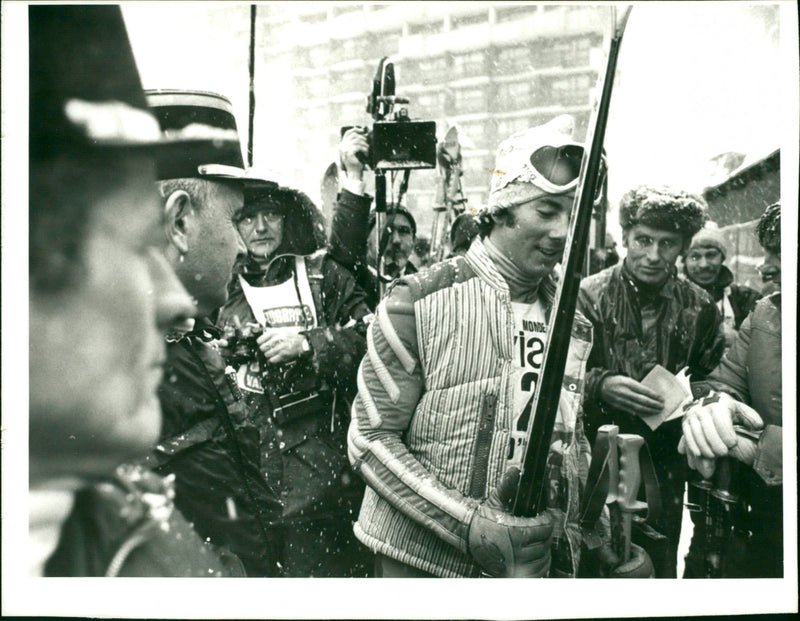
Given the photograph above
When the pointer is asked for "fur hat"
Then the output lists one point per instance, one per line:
(710, 238)
(769, 228)
(663, 208)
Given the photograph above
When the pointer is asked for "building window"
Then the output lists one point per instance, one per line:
(316, 87)
(514, 59)
(428, 70)
(513, 13)
(350, 48)
(572, 52)
(348, 113)
(351, 81)
(314, 18)
(569, 90)
(319, 56)
(478, 132)
(428, 105)
(383, 44)
(469, 20)
(469, 65)
(468, 101)
(507, 127)
(515, 95)
(347, 8)
(426, 28)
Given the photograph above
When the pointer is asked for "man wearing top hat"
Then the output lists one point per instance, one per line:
(445, 389)
(209, 441)
(101, 298)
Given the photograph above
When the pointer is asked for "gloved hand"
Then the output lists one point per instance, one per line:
(638, 566)
(506, 546)
(716, 426)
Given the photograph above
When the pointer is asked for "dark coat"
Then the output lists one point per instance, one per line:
(636, 328)
(742, 299)
(313, 475)
(128, 526)
(348, 242)
(686, 332)
(212, 446)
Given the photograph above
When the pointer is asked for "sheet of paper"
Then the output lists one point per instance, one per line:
(675, 391)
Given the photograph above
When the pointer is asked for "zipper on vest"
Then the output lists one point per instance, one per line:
(483, 443)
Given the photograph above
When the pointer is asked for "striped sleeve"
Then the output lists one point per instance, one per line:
(390, 384)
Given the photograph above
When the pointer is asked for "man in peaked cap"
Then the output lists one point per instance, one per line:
(704, 265)
(439, 434)
(101, 298)
(209, 440)
(644, 315)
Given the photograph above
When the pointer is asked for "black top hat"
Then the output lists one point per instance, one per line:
(85, 91)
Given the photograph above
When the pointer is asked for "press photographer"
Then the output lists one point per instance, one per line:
(294, 332)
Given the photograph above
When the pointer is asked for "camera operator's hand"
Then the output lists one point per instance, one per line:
(506, 546)
(353, 150)
(630, 396)
(282, 347)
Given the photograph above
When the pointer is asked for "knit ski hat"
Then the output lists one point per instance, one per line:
(663, 208)
(518, 177)
(710, 238)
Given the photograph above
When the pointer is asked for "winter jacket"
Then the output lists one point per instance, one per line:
(431, 422)
(740, 299)
(675, 325)
(634, 329)
(126, 525)
(212, 447)
(306, 463)
(751, 372)
(348, 242)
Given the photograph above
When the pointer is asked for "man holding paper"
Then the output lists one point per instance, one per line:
(649, 325)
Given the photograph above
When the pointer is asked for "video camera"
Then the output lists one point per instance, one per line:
(395, 141)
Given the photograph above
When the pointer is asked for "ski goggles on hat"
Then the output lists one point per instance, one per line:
(554, 169)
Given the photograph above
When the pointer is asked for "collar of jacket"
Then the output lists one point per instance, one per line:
(278, 270)
(483, 265)
(204, 330)
(666, 290)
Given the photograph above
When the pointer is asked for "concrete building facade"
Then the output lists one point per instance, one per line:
(493, 69)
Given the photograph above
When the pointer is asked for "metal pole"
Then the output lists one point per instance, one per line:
(252, 68)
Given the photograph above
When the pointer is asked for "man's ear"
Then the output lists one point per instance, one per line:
(625, 237)
(177, 209)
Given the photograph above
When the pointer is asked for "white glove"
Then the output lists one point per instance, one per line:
(718, 426)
